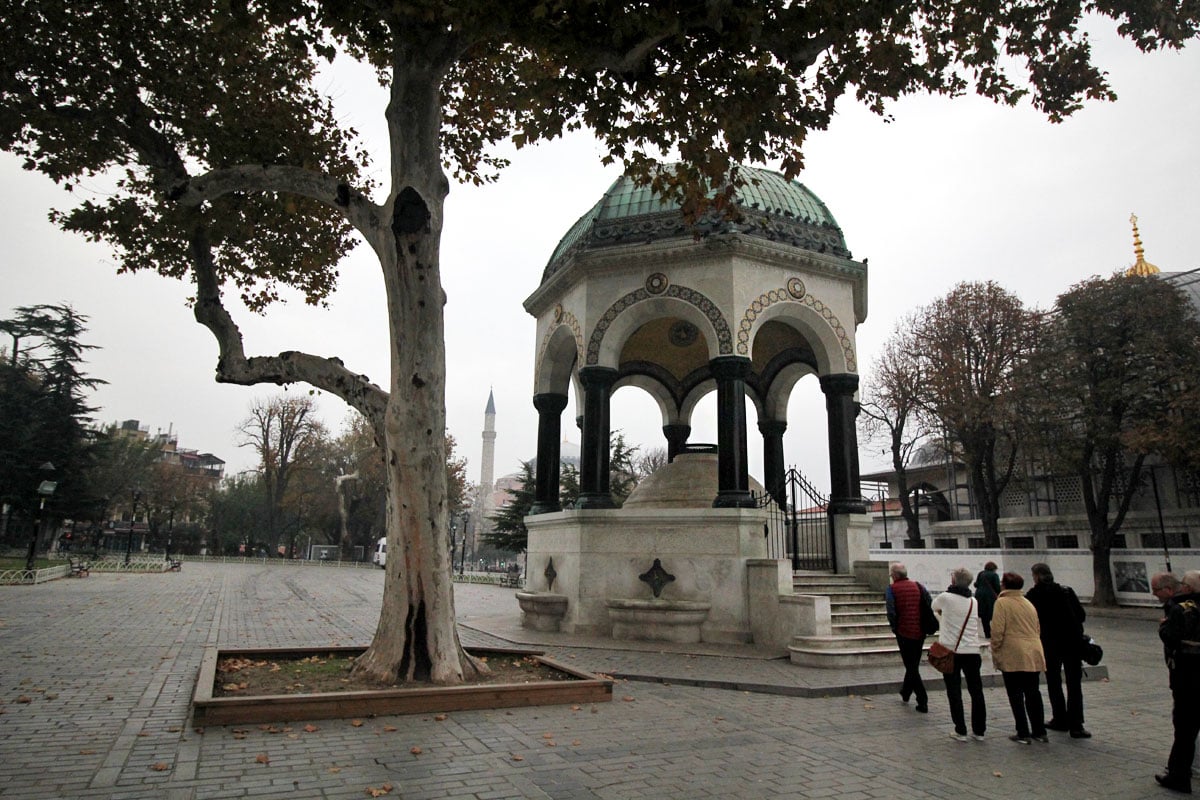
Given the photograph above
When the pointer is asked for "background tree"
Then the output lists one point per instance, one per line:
(237, 515)
(969, 348)
(246, 179)
(287, 436)
(44, 414)
(648, 462)
(891, 410)
(118, 464)
(1117, 360)
(508, 531)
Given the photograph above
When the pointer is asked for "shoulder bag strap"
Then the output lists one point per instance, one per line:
(966, 619)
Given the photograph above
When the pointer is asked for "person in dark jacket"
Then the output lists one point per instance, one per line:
(987, 589)
(1061, 617)
(1180, 634)
(904, 601)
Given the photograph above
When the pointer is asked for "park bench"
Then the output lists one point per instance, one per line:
(511, 578)
(174, 565)
(80, 568)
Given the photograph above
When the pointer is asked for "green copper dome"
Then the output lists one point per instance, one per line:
(771, 207)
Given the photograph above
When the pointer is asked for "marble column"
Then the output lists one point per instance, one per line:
(549, 407)
(594, 451)
(733, 478)
(845, 496)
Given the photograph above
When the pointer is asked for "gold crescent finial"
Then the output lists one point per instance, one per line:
(1141, 266)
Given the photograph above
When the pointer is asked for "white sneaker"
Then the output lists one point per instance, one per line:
(977, 737)
(958, 737)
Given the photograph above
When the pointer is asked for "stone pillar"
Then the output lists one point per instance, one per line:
(593, 457)
(733, 478)
(773, 469)
(845, 495)
(549, 407)
(677, 436)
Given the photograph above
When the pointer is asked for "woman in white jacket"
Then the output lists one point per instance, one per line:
(959, 631)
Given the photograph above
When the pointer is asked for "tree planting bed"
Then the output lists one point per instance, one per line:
(285, 684)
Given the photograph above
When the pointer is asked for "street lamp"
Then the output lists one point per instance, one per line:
(462, 556)
(137, 495)
(44, 490)
(170, 529)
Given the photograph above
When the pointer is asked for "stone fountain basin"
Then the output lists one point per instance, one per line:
(657, 620)
(542, 611)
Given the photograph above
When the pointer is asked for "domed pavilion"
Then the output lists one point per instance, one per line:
(744, 303)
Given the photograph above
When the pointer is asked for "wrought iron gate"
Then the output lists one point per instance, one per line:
(798, 524)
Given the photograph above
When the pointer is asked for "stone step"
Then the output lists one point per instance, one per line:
(862, 628)
(865, 641)
(846, 657)
(856, 607)
(824, 577)
(858, 617)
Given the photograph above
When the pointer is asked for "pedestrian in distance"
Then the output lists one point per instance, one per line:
(987, 589)
(1179, 631)
(1017, 653)
(1061, 616)
(908, 609)
(959, 629)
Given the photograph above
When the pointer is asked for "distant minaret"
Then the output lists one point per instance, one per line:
(487, 461)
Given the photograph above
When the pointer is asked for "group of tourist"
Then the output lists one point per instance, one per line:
(1031, 633)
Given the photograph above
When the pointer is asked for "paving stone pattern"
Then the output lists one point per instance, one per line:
(108, 663)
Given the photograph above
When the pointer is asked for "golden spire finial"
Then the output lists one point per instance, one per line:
(1140, 267)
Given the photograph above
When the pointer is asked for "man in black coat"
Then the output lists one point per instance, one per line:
(1180, 634)
(1061, 617)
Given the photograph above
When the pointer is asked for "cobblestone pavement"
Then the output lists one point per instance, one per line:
(108, 664)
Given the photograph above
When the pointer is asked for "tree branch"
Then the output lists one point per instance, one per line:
(358, 210)
(328, 374)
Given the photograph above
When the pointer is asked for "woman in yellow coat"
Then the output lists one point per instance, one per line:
(1017, 653)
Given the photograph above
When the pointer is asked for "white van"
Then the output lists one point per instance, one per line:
(381, 552)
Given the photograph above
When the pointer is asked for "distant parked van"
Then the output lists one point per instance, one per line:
(381, 552)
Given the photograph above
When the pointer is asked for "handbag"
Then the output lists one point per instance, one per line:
(1090, 651)
(941, 657)
(929, 620)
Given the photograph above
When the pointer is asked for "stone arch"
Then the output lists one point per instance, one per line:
(703, 389)
(809, 315)
(658, 392)
(616, 325)
(557, 355)
(778, 394)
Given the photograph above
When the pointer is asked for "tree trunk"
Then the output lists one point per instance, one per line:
(1102, 594)
(417, 637)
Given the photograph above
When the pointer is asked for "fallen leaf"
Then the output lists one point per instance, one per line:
(161, 766)
(357, 723)
(239, 736)
(440, 718)
(262, 758)
(575, 708)
(24, 699)
(547, 735)
(293, 736)
(108, 697)
(550, 743)
(87, 752)
(517, 757)
(575, 743)
(143, 733)
(416, 751)
(380, 791)
(335, 770)
(998, 774)
(627, 698)
(310, 728)
(390, 728)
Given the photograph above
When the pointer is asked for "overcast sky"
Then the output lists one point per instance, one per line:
(951, 190)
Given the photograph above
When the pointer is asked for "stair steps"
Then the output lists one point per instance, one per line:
(860, 635)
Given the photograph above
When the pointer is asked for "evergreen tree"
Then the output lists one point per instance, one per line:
(508, 523)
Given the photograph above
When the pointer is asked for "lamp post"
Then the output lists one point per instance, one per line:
(462, 556)
(44, 490)
(170, 529)
(137, 495)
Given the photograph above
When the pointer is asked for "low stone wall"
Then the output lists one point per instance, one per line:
(1131, 569)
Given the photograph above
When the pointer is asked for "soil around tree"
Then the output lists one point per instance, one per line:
(242, 676)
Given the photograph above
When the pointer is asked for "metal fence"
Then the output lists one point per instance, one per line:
(798, 526)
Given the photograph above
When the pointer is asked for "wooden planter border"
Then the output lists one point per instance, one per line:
(209, 710)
